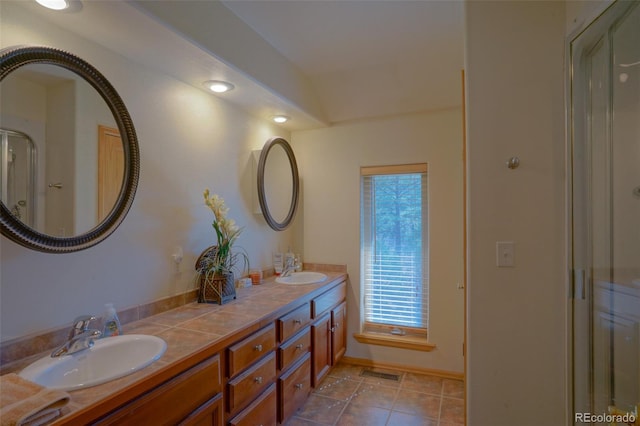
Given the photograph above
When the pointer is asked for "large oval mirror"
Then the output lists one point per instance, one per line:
(278, 183)
(69, 158)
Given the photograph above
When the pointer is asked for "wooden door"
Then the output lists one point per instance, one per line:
(110, 169)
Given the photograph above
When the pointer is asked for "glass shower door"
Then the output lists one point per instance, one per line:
(17, 175)
(605, 130)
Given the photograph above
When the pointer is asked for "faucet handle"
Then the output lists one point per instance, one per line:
(80, 325)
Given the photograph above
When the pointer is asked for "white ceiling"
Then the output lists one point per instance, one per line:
(319, 61)
(367, 58)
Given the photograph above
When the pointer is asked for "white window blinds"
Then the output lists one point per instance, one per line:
(394, 246)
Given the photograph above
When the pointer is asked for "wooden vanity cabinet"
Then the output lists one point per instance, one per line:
(246, 386)
(338, 332)
(321, 356)
(294, 381)
(260, 379)
(209, 414)
(294, 387)
(293, 322)
(191, 398)
(251, 372)
(294, 348)
(250, 349)
(328, 331)
(261, 412)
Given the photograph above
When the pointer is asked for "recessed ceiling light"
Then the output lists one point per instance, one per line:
(280, 118)
(218, 86)
(54, 4)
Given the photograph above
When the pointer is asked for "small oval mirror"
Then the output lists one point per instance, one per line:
(278, 183)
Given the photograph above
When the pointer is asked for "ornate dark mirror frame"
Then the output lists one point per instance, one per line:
(12, 228)
(274, 224)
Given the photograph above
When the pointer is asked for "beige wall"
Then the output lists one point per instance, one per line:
(517, 333)
(516, 316)
(189, 140)
(330, 161)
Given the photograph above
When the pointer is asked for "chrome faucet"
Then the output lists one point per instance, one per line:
(80, 337)
(289, 267)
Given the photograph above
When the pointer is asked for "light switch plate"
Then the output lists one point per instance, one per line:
(505, 254)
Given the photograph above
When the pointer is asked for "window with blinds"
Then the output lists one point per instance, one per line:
(394, 249)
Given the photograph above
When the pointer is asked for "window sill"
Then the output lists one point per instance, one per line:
(404, 342)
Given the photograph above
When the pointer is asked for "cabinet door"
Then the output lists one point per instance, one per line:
(338, 332)
(261, 412)
(167, 404)
(209, 414)
(321, 355)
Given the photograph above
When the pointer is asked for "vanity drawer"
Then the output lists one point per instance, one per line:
(247, 385)
(245, 352)
(328, 300)
(166, 404)
(295, 320)
(262, 411)
(293, 388)
(293, 349)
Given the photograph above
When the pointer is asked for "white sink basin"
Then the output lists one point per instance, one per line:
(305, 277)
(108, 359)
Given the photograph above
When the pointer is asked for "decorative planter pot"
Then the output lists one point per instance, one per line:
(217, 288)
(214, 288)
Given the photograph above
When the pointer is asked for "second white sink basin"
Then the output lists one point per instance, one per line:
(108, 359)
(305, 277)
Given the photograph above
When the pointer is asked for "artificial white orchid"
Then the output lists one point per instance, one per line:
(220, 260)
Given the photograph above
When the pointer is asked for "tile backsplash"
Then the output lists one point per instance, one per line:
(22, 347)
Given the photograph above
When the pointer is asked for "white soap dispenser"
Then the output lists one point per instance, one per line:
(111, 322)
(278, 263)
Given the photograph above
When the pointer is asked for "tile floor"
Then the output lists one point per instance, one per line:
(346, 398)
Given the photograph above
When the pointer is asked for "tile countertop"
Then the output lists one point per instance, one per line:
(193, 333)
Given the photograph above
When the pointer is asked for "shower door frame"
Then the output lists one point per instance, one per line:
(581, 293)
(31, 169)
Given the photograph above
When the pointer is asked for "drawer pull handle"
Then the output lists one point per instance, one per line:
(258, 380)
(299, 346)
(299, 386)
(258, 348)
(297, 321)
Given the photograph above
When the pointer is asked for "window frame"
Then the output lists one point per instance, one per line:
(385, 334)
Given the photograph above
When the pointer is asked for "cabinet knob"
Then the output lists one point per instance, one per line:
(333, 329)
(258, 348)
(297, 321)
(299, 346)
(258, 380)
(299, 386)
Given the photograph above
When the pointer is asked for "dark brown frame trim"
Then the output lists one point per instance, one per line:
(278, 226)
(14, 58)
